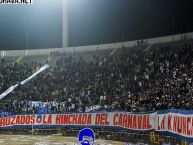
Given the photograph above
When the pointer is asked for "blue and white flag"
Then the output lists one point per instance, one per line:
(10, 89)
(35, 74)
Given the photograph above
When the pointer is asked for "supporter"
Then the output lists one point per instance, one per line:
(158, 79)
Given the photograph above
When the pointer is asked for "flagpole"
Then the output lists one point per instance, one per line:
(27, 43)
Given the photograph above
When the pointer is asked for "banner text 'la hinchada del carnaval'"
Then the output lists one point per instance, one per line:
(176, 122)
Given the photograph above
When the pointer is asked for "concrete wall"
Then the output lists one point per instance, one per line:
(165, 39)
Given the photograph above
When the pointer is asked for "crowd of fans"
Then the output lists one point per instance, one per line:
(137, 81)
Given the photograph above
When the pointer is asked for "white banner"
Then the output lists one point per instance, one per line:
(114, 119)
(174, 122)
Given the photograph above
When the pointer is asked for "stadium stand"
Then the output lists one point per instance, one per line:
(131, 80)
(140, 78)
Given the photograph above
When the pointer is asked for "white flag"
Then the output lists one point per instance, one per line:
(10, 89)
(35, 74)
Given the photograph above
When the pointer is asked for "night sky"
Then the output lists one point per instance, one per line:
(92, 22)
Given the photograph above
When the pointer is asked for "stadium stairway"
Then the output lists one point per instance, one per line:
(104, 59)
(19, 59)
(49, 58)
(147, 48)
(144, 49)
